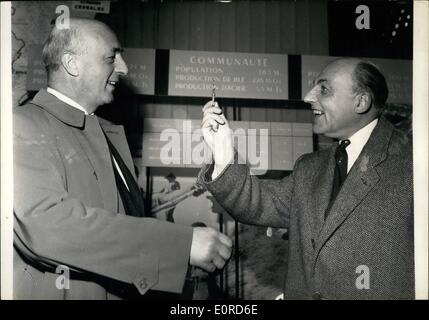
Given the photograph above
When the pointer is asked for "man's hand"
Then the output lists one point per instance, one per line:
(210, 249)
(217, 135)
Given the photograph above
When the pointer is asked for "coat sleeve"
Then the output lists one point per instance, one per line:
(53, 228)
(249, 199)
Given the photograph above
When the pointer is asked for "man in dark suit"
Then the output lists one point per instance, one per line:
(80, 227)
(349, 209)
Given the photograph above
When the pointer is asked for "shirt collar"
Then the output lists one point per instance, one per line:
(66, 99)
(358, 141)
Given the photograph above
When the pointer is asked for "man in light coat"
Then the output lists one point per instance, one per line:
(80, 230)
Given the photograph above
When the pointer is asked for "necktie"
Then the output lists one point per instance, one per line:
(340, 175)
(132, 199)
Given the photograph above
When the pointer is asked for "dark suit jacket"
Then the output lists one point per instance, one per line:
(68, 211)
(369, 226)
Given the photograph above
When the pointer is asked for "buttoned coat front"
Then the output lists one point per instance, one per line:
(68, 215)
(364, 248)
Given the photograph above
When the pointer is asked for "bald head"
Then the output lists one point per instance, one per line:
(346, 64)
(366, 77)
(75, 39)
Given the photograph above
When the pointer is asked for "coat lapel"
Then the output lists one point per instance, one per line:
(106, 175)
(361, 179)
(322, 191)
(116, 135)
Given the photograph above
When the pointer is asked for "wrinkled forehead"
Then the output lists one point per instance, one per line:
(102, 39)
(103, 34)
(338, 72)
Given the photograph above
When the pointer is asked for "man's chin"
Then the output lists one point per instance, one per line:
(108, 99)
(317, 129)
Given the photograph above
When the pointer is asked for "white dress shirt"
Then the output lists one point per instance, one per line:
(76, 105)
(357, 142)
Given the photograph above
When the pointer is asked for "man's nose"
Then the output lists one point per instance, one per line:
(121, 66)
(310, 96)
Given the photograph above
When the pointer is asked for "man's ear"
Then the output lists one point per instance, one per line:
(68, 61)
(363, 103)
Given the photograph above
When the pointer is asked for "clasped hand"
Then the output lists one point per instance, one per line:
(210, 249)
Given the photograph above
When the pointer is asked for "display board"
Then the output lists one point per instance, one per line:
(36, 73)
(141, 69)
(235, 75)
(263, 145)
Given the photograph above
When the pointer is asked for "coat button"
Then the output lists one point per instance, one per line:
(313, 243)
(317, 296)
(143, 283)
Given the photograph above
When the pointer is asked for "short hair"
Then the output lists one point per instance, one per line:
(368, 78)
(59, 42)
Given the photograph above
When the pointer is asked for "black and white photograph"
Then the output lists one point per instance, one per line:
(183, 150)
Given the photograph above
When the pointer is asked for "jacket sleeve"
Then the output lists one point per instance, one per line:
(52, 228)
(249, 199)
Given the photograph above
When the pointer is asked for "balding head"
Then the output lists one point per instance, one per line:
(343, 63)
(344, 101)
(367, 78)
(74, 39)
(84, 62)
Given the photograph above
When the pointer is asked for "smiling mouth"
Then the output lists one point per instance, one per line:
(317, 112)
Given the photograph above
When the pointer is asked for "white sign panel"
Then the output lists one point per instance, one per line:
(235, 75)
